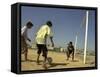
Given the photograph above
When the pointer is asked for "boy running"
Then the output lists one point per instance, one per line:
(24, 38)
(41, 37)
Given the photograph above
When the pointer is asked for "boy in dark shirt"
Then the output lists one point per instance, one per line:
(70, 49)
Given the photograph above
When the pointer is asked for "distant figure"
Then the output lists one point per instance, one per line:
(61, 49)
(70, 49)
(41, 37)
(24, 38)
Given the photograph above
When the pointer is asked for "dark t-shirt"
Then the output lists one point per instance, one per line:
(70, 48)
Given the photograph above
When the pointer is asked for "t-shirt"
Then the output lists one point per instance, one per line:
(24, 32)
(42, 34)
(70, 48)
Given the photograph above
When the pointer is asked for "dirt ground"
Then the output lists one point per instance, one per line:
(59, 61)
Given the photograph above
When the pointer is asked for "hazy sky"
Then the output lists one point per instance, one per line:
(66, 22)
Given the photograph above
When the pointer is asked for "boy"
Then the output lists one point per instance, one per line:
(70, 49)
(41, 37)
(24, 38)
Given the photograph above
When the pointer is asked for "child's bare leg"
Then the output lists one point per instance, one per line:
(45, 53)
(23, 50)
(73, 56)
(23, 45)
(26, 52)
(44, 62)
(68, 55)
(45, 58)
(38, 58)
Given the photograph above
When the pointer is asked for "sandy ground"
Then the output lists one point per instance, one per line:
(59, 61)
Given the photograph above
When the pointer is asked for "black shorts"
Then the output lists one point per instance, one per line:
(42, 49)
(70, 52)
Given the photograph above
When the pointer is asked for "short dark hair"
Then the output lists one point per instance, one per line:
(70, 42)
(49, 23)
(29, 23)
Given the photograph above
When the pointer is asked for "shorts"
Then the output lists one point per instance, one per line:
(42, 49)
(23, 43)
(70, 52)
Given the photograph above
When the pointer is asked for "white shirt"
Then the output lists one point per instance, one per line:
(44, 31)
(24, 32)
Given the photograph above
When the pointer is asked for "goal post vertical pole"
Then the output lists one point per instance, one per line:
(86, 34)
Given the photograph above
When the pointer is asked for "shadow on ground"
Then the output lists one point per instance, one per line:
(57, 64)
(31, 60)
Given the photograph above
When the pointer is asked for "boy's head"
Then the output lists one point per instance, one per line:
(29, 24)
(70, 43)
(49, 23)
